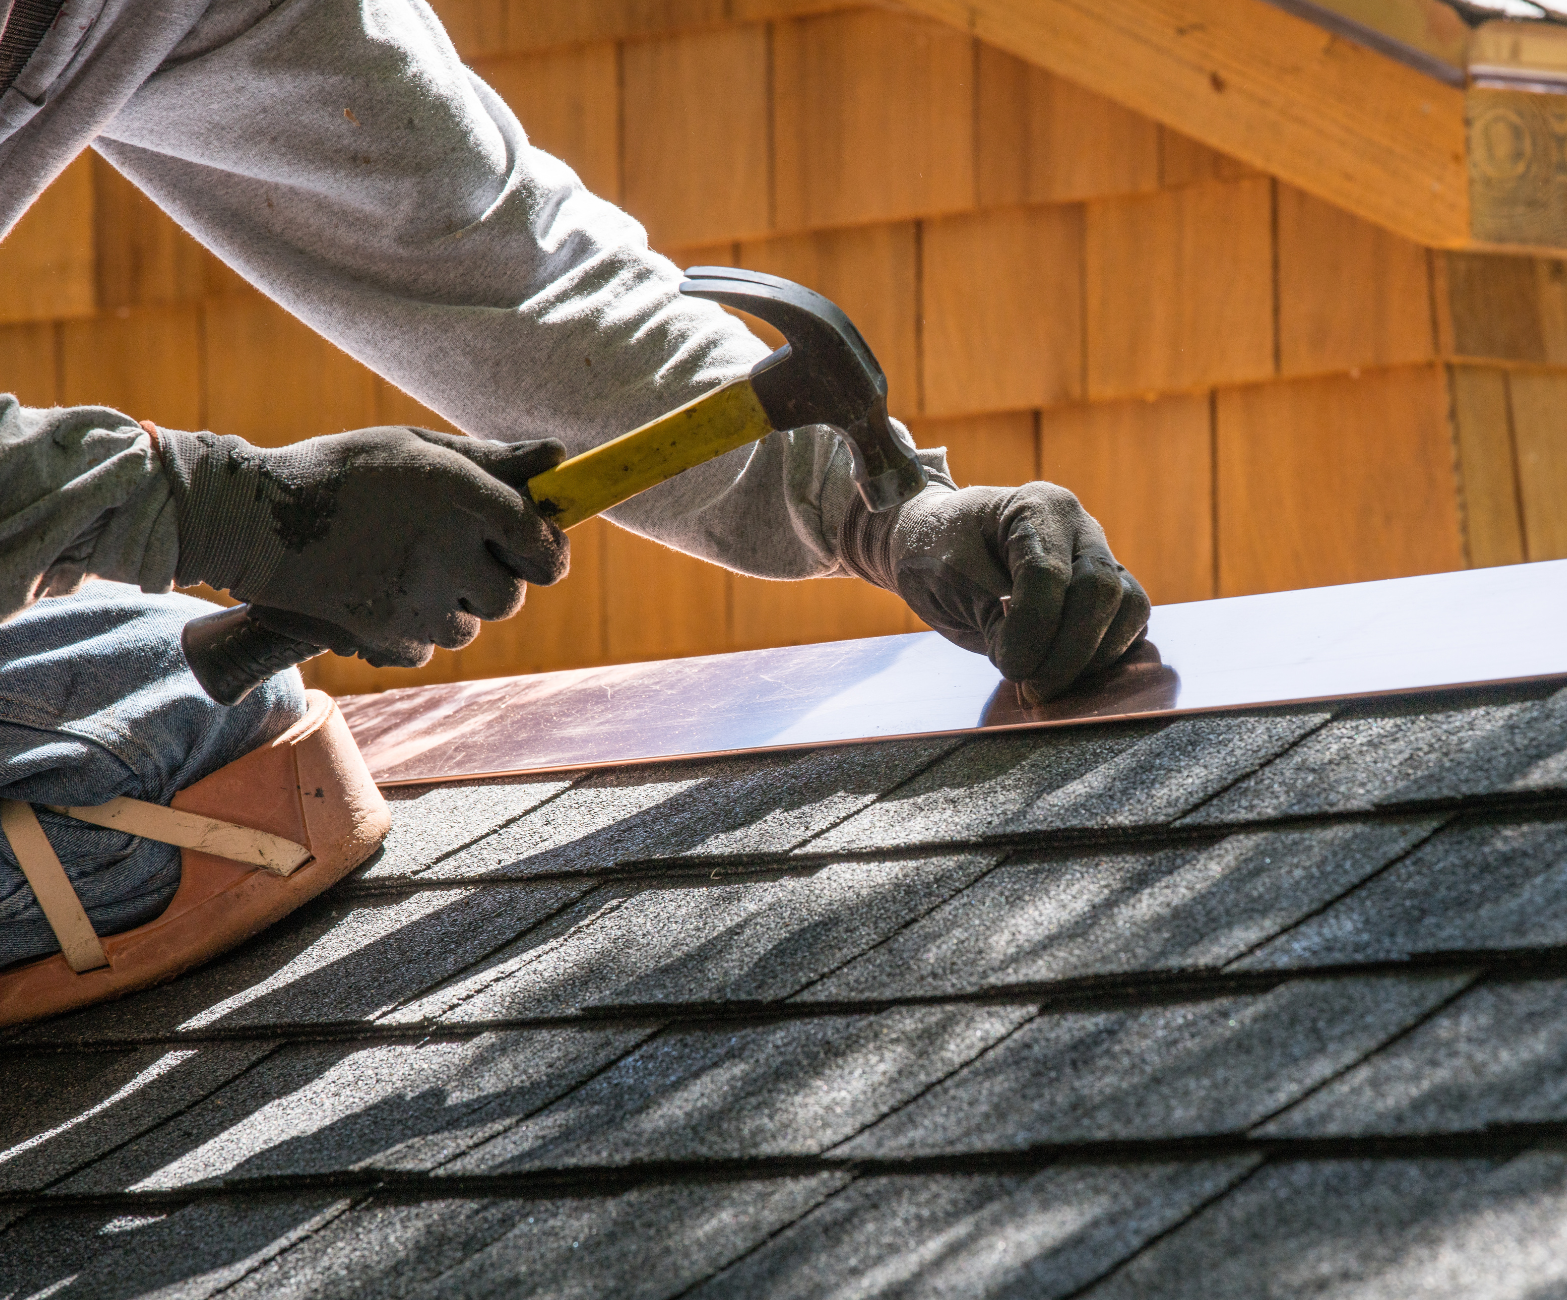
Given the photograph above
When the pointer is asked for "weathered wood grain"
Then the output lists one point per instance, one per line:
(1487, 466)
(1335, 480)
(1144, 470)
(1003, 322)
(1179, 289)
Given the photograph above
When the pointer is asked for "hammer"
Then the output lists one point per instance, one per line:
(824, 374)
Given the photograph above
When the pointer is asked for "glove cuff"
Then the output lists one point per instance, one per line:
(865, 543)
(222, 501)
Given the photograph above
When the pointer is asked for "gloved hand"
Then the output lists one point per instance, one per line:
(382, 542)
(952, 555)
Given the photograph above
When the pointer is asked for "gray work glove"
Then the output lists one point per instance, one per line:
(382, 542)
(952, 555)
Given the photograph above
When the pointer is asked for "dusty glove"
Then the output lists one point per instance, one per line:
(382, 542)
(952, 555)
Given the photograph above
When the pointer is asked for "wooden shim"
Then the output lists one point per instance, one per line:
(1334, 480)
(873, 119)
(1003, 322)
(1487, 466)
(1145, 471)
(1539, 411)
(1351, 295)
(694, 174)
(1179, 289)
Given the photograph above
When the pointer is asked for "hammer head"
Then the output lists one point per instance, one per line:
(824, 374)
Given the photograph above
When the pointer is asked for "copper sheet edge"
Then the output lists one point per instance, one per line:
(1443, 632)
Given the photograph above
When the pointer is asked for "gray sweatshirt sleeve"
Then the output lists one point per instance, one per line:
(339, 155)
(81, 491)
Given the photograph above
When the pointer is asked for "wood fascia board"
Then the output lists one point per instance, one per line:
(1426, 34)
(1332, 117)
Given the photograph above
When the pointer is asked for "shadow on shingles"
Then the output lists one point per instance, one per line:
(698, 941)
(194, 1251)
(763, 804)
(79, 1105)
(1381, 1227)
(330, 961)
(1038, 1236)
(320, 1109)
(1068, 915)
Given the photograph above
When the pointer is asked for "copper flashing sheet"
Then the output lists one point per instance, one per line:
(1446, 630)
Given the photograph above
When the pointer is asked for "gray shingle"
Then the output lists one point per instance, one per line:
(1170, 771)
(386, 1251)
(67, 1109)
(1071, 914)
(645, 1244)
(654, 1242)
(325, 1108)
(180, 1254)
(1035, 1236)
(746, 939)
(429, 822)
(1472, 886)
(1368, 1230)
(1126, 774)
(765, 803)
(334, 960)
(979, 788)
(1392, 753)
(1502, 751)
(1186, 1070)
(1498, 1055)
(785, 1088)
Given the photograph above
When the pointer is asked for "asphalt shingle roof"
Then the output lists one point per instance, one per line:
(1268, 1002)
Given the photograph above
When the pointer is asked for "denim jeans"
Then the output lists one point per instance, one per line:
(95, 702)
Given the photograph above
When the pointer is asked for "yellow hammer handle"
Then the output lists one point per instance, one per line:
(716, 422)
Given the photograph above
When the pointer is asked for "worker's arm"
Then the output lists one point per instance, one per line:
(340, 157)
(81, 490)
(383, 542)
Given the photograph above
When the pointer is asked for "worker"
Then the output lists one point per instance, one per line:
(338, 156)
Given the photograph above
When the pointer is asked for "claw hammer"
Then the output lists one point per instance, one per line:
(824, 374)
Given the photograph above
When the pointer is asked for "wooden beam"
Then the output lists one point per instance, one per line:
(1354, 127)
(1426, 34)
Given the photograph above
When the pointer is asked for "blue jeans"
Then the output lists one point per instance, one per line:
(95, 702)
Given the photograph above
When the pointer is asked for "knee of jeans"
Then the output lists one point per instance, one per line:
(96, 700)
